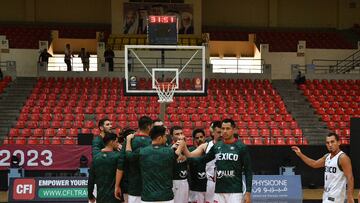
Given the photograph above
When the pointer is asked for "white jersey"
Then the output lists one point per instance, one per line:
(335, 180)
(210, 166)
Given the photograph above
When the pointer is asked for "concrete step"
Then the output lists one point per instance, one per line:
(300, 108)
(12, 101)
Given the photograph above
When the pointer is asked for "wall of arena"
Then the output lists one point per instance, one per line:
(255, 13)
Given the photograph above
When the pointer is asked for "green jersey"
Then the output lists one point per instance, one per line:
(156, 163)
(123, 165)
(134, 178)
(180, 170)
(231, 161)
(97, 145)
(102, 173)
(197, 177)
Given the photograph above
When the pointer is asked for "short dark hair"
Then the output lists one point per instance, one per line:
(144, 122)
(215, 124)
(157, 131)
(196, 131)
(176, 127)
(102, 122)
(109, 137)
(127, 132)
(229, 120)
(335, 135)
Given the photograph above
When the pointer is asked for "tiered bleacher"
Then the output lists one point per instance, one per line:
(285, 41)
(58, 109)
(336, 101)
(28, 36)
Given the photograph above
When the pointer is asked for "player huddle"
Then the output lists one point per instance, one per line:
(152, 165)
(155, 166)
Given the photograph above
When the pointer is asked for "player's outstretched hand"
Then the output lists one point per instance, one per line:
(117, 192)
(296, 150)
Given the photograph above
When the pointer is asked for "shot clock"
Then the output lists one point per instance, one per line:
(162, 30)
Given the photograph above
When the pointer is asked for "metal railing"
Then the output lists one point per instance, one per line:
(235, 65)
(350, 64)
(57, 63)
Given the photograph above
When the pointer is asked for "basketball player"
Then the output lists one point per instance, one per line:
(215, 130)
(124, 184)
(105, 126)
(232, 158)
(103, 170)
(156, 163)
(197, 178)
(140, 140)
(180, 183)
(338, 171)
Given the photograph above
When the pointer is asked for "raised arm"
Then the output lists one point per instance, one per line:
(199, 151)
(308, 161)
(345, 164)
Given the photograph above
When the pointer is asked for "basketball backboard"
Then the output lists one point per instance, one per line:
(148, 65)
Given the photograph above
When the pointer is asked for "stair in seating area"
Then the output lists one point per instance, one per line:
(296, 103)
(11, 102)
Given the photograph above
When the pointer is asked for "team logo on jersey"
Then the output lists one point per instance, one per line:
(330, 169)
(183, 174)
(232, 148)
(227, 156)
(104, 155)
(201, 175)
(225, 173)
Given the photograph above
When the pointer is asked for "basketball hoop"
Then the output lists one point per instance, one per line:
(165, 91)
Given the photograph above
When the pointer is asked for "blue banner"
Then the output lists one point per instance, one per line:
(276, 188)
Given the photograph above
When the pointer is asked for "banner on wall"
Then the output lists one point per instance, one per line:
(265, 188)
(48, 189)
(44, 157)
(135, 16)
(276, 188)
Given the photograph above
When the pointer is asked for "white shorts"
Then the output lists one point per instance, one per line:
(134, 199)
(181, 191)
(170, 201)
(325, 199)
(210, 191)
(196, 197)
(228, 197)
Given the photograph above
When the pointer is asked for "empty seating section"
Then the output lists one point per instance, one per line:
(257, 109)
(60, 108)
(28, 36)
(285, 41)
(4, 83)
(336, 101)
(76, 32)
(117, 42)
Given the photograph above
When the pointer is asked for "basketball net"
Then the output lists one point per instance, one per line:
(165, 91)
